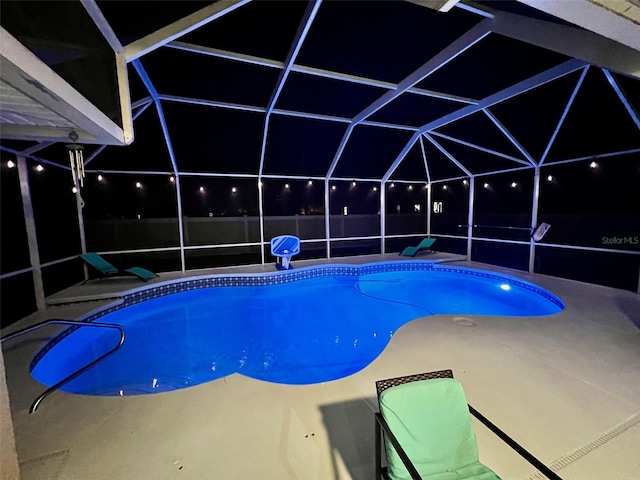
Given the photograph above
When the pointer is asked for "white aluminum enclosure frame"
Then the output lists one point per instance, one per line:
(601, 52)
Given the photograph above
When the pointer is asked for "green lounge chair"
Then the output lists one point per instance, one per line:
(425, 423)
(425, 244)
(105, 269)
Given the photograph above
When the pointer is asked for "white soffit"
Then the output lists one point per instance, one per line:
(37, 104)
(617, 20)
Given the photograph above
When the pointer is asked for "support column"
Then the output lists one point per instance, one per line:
(327, 216)
(383, 215)
(261, 218)
(472, 194)
(534, 218)
(429, 209)
(32, 237)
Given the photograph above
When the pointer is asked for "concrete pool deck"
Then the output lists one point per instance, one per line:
(565, 386)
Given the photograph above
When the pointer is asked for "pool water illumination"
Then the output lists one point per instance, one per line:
(302, 332)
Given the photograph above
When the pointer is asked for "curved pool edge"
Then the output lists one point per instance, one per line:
(169, 287)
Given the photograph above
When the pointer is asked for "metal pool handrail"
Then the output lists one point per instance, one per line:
(77, 373)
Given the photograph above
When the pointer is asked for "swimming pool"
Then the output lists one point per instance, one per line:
(305, 326)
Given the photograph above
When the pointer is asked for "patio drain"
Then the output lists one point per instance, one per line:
(464, 321)
(578, 453)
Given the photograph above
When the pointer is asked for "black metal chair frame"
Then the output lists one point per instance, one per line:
(383, 431)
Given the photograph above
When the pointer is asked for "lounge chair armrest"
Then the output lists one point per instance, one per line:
(396, 445)
(515, 445)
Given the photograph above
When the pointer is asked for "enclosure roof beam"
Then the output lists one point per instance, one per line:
(218, 53)
(564, 115)
(439, 5)
(449, 53)
(627, 105)
(317, 72)
(142, 101)
(180, 27)
(424, 159)
(90, 158)
(35, 148)
(401, 155)
(532, 82)
(595, 157)
(448, 155)
(476, 8)
(482, 149)
(105, 29)
(276, 111)
(466, 41)
(301, 34)
(32, 157)
(211, 103)
(510, 137)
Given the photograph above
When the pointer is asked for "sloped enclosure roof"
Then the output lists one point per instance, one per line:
(354, 90)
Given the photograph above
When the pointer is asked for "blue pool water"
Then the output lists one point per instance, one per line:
(306, 331)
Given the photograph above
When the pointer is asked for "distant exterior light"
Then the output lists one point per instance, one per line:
(39, 168)
(333, 187)
(486, 185)
(310, 182)
(465, 182)
(345, 211)
(100, 177)
(286, 186)
(417, 207)
(201, 189)
(172, 179)
(10, 164)
(593, 164)
(514, 184)
(550, 178)
(74, 190)
(410, 187)
(444, 187)
(353, 184)
(375, 189)
(138, 185)
(211, 214)
(234, 190)
(392, 185)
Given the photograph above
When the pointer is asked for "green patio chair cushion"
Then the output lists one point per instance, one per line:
(99, 263)
(108, 270)
(431, 420)
(141, 273)
(425, 244)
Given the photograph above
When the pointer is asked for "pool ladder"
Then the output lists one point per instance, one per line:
(67, 379)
